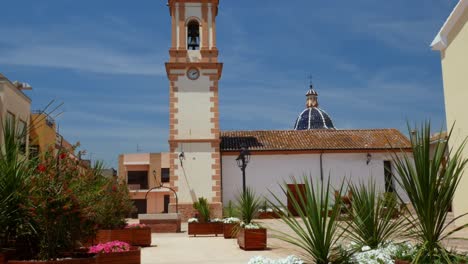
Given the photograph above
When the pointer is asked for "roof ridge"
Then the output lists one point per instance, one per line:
(306, 131)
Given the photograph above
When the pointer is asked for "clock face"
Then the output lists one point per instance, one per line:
(193, 74)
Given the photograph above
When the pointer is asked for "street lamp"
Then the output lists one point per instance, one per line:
(242, 161)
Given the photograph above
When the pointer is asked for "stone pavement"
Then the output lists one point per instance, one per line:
(180, 248)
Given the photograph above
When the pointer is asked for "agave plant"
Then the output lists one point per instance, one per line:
(430, 182)
(15, 173)
(203, 209)
(248, 205)
(317, 230)
(371, 223)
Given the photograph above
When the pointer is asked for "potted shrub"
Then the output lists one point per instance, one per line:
(116, 252)
(231, 227)
(112, 211)
(202, 225)
(231, 223)
(141, 235)
(251, 236)
(266, 212)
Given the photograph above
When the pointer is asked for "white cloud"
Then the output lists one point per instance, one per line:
(88, 59)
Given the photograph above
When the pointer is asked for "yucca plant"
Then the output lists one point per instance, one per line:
(203, 209)
(248, 205)
(15, 174)
(316, 231)
(371, 223)
(430, 182)
(230, 210)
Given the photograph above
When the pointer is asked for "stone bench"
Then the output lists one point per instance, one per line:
(161, 223)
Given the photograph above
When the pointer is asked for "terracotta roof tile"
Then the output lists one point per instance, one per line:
(326, 139)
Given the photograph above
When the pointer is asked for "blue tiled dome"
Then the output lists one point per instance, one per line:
(313, 117)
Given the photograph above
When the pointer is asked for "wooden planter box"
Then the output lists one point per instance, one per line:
(269, 215)
(64, 261)
(252, 239)
(133, 236)
(397, 261)
(141, 237)
(130, 257)
(230, 230)
(205, 229)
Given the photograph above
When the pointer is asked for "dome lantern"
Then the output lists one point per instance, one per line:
(313, 117)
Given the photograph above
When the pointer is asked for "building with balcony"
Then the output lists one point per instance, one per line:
(15, 107)
(147, 176)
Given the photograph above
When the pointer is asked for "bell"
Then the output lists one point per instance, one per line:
(193, 44)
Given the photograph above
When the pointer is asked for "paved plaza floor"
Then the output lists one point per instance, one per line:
(180, 248)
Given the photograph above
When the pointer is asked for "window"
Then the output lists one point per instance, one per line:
(389, 184)
(138, 179)
(22, 135)
(10, 119)
(165, 174)
(33, 151)
(193, 35)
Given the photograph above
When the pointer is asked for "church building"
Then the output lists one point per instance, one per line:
(204, 161)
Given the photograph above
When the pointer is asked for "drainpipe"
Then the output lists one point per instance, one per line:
(321, 166)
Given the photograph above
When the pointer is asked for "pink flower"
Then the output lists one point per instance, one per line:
(136, 226)
(114, 246)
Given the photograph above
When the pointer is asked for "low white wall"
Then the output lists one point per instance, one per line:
(265, 173)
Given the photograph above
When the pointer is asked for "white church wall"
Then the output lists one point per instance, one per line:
(265, 172)
(195, 172)
(194, 108)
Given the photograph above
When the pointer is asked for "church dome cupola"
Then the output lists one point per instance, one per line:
(313, 117)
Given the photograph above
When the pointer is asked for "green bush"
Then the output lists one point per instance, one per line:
(248, 205)
(16, 171)
(430, 182)
(203, 209)
(371, 223)
(315, 231)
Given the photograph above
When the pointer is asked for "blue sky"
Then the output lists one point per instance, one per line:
(370, 60)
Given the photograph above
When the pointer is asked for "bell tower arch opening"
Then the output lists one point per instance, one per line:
(193, 35)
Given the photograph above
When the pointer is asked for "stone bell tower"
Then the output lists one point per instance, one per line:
(193, 71)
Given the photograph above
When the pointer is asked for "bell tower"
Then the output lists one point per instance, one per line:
(194, 71)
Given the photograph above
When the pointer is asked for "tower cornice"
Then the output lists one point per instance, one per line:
(171, 3)
(202, 65)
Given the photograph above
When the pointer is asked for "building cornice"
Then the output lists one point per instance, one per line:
(440, 41)
(8, 83)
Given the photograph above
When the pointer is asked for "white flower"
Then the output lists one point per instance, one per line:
(231, 220)
(193, 220)
(216, 220)
(288, 260)
(365, 248)
(250, 226)
(269, 210)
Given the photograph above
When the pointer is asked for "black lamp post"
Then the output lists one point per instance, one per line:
(242, 161)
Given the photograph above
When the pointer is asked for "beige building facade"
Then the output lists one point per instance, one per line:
(15, 106)
(452, 42)
(145, 174)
